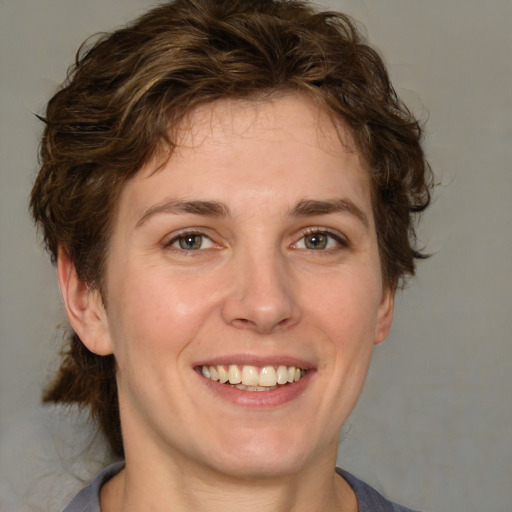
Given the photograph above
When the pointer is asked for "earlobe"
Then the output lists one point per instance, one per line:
(385, 318)
(84, 307)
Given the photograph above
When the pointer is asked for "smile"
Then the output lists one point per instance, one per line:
(253, 378)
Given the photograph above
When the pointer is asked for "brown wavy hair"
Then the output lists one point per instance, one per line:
(128, 90)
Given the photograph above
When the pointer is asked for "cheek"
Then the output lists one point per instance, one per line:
(348, 316)
(348, 304)
(154, 312)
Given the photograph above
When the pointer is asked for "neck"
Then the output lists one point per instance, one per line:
(158, 488)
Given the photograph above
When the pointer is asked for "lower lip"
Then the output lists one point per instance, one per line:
(259, 399)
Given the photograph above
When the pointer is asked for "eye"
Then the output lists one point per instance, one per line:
(190, 242)
(318, 240)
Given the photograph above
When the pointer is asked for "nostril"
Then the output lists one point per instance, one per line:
(242, 322)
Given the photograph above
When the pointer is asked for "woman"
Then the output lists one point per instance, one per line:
(228, 189)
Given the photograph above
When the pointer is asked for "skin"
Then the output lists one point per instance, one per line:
(254, 291)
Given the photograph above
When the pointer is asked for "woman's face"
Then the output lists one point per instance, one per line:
(250, 254)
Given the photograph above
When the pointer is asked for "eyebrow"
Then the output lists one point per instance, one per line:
(308, 207)
(304, 208)
(176, 206)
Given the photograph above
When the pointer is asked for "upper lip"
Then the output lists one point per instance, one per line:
(256, 360)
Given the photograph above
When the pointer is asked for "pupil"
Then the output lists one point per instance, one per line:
(316, 241)
(190, 242)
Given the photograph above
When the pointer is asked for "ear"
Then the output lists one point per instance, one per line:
(385, 315)
(84, 307)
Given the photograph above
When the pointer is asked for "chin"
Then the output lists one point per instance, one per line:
(264, 454)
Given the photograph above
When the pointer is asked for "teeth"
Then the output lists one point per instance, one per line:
(223, 374)
(214, 374)
(254, 388)
(268, 376)
(234, 374)
(253, 378)
(282, 375)
(250, 376)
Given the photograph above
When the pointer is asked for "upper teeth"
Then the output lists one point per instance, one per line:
(254, 376)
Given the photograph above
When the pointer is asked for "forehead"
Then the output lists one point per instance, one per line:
(276, 116)
(278, 150)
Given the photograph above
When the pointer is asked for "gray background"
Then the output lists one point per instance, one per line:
(433, 427)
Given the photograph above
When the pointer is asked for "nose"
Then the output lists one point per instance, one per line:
(261, 295)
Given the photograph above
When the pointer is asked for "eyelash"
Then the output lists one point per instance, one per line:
(339, 239)
(168, 244)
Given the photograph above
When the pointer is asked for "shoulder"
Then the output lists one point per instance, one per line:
(88, 499)
(368, 498)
